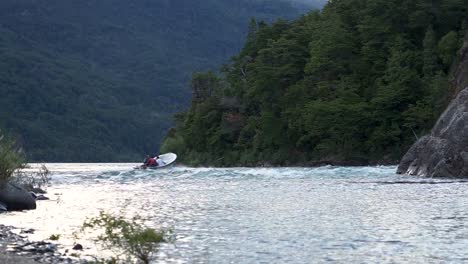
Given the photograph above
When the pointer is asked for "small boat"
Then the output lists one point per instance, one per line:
(169, 160)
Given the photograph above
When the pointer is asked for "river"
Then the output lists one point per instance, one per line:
(265, 215)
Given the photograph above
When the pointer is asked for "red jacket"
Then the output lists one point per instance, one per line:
(151, 162)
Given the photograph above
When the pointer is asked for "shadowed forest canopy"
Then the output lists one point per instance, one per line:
(355, 83)
(88, 80)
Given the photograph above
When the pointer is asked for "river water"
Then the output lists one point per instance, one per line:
(265, 215)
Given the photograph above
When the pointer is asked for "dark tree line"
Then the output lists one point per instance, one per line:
(355, 83)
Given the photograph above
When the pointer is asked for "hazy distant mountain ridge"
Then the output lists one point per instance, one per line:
(97, 80)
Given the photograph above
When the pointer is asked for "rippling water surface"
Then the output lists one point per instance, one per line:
(266, 215)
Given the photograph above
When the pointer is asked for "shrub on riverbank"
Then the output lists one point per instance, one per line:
(12, 163)
(35, 181)
(11, 158)
(15, 183)
(128, 239)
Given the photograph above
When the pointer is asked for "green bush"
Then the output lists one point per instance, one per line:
(12, 163)
(11, 158)
(447, 46)
(30, 180)
(129, 239)
(54, 237)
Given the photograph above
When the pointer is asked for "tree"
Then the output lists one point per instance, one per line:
(447, 47)
(429, 53)
(204, 85)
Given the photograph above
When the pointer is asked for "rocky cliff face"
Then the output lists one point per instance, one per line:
(444, 152)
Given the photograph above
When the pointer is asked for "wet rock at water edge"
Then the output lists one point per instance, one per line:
(38, 190)
(16, 198)
(77, 247)
(40, 247)
(27, 231)
(42, 198)
(40, 252)
(444, 152)
(33, 195)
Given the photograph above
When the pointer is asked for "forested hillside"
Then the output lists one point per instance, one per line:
(355, 83)
(87, 80)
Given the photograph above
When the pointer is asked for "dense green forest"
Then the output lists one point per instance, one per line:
(354, 83)
(87, 80)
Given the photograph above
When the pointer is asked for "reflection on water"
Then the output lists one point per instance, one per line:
(266, 215)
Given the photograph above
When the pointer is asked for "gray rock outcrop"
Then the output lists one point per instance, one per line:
(444, 152)
(15, 198)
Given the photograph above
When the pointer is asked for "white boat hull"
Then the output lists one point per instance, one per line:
(169, 160)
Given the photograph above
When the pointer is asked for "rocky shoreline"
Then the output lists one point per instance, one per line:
(16, 248)
(444, 152)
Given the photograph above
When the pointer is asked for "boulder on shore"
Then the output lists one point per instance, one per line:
(15, 198)
(444, 153)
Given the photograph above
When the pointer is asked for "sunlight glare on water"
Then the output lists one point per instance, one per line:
(266, 215)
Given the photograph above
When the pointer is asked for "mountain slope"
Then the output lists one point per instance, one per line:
(353, 84)
(88, 80)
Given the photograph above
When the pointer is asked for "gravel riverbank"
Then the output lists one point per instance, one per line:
(17, 249)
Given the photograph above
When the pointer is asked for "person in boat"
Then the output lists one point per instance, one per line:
(150, 162)
(159, 161)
